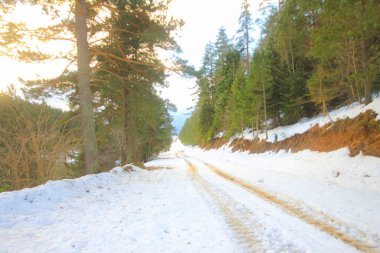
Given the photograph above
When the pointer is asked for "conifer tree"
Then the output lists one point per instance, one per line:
(129, 58)
(261, 81)
(238, 100)
(90, 147)
(206, 90)
(227, 65)
(244, 38)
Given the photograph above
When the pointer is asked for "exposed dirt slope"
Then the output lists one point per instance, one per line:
(361, 134)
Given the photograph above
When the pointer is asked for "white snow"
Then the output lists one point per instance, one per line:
(174, 207)
(167, 210)
(283, 132)
(141, 211)
(323, 184)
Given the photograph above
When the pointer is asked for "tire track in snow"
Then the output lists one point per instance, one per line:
(296, 211)
(239, 219)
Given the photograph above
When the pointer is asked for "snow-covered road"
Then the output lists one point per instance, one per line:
(277, 225)
(190, 200)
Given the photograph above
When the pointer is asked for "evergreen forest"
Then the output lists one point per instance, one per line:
(312, 56)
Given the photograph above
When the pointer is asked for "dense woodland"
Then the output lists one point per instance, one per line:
(312, 56)
(116, 115)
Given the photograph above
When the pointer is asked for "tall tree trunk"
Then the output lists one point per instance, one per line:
(265, 111)
(367, 83)
(365, 57)
(247, 48)
(128, 157)
(325, 111)
(86, 110)
(130, 128)
(257, 120)
(257, 127)
(355, 69)
(322, 93)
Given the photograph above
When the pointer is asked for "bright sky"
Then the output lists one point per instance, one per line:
(32, 17)
(202, 19)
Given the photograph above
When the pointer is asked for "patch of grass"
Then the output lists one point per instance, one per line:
(5, 186)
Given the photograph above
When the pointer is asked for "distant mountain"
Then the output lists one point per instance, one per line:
(179, 119)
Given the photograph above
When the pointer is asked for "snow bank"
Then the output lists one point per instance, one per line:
(283, 132)
(52, 193)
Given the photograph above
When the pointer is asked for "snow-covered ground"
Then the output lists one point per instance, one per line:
(341, 190)
(141, 211)
(194, 200)
(283, 132)
(182, 205)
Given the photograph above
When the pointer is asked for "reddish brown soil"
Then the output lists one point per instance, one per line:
(361, 134)
(214, 144)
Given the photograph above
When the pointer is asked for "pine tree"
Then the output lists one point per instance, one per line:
(238, 100)
(222, 46)
(278, 88)
(137, 33)
(227, 66)
(206, 90)
(244, 38)
(86, 109)
(261, 80)
(291, 28)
